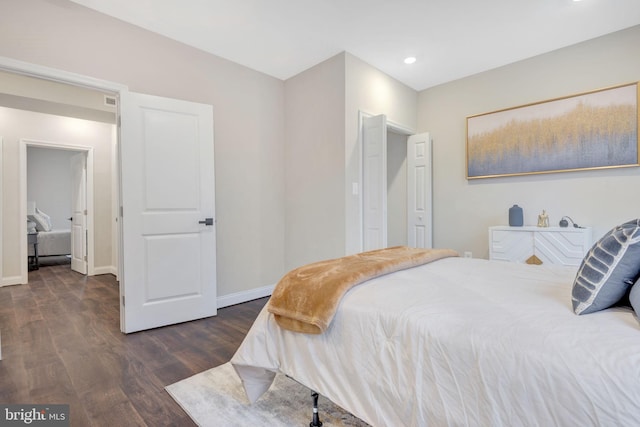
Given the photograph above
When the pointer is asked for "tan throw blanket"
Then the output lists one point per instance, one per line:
(305, 299)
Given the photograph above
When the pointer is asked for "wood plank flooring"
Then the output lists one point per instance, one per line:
(61, 343)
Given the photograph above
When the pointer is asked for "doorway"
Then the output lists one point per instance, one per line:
(59, 182)
(45, 114)
(177, 180)
(396, 185)
(396, 188)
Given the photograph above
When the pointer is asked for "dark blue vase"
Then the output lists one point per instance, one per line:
(515, 216)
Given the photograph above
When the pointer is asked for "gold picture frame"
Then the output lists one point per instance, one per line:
(591, 130)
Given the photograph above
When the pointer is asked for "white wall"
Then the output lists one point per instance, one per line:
(248, 118)
(49, 183)
(463, 210)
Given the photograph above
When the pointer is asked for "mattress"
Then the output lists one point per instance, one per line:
(460, 342)
(54, 242)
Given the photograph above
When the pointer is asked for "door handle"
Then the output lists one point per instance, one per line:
(207, 221)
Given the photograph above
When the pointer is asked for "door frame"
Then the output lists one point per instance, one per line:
(1, 208)
(391, 125)
(46, 73)
(22, 195)
(110, 88)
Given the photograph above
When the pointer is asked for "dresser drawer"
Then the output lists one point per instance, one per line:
(539, 245)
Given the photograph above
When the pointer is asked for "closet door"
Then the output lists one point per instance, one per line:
(374, 184)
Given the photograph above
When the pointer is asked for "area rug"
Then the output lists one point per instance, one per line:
(216, 398)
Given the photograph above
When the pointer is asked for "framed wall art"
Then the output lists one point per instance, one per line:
(592, 130)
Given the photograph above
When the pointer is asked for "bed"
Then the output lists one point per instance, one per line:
(458, 342)
(51, 242)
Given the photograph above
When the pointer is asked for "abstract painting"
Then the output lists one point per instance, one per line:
(593, 130)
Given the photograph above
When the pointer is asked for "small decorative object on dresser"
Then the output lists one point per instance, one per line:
(543, 219)
(539, 245)
(515, 216)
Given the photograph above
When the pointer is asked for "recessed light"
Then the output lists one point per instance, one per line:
(410, 60)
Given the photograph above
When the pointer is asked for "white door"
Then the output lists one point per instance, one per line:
(374, 182)
(79, 213)
(167, 212)
(419, 210)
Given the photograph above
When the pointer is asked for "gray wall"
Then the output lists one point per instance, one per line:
(248, 118)
(463, 210)
(371, 91)
(323, 157)
(396, 189)
(49, 183)
(287, 153)
(314, 162)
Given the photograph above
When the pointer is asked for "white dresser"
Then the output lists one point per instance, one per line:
(539, 245)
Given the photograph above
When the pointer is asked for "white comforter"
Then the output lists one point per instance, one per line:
(54, 242)
(461, 342)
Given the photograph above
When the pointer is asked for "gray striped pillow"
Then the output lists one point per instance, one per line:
(609, 269)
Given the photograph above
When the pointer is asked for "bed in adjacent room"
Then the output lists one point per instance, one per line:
(54, 242)
(462, 341)
(51, 242)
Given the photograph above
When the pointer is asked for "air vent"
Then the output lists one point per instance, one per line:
(110, 101)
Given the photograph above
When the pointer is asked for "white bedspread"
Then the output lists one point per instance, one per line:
(54, 242)
(461, 342)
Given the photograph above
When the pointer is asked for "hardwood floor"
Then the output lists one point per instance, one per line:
(61, 343)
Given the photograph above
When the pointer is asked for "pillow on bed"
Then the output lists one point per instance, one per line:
(610, 268)
(42, 220)
(634, 297)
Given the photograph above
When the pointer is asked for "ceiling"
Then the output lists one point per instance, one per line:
(450, 38)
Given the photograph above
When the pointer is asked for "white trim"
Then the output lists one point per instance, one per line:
(244, 296)
(361, 116)
(1, 209)
(115, 202)
(391, 125)
(22, 190)
(13, 280)
(108, 269)
(34, 70)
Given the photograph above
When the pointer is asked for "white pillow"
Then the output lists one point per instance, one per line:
(42, 220)
(31, 226)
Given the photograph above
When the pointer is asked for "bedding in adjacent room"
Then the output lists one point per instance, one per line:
(41, 220)
(50, 241)
(54, 242)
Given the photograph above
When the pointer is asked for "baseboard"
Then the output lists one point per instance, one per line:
(244, 296)
(13, 280)
(109, 269)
